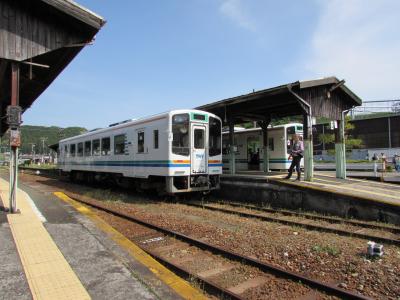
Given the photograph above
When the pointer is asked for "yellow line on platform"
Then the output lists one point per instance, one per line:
(336, 190)
(339, 184)
(48, 273)
(361, 180)
(180, 286)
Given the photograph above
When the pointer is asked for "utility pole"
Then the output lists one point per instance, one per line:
(43, 139)
(33, 151)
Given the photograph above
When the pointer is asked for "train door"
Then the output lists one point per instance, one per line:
(199, 160)
(253, 152)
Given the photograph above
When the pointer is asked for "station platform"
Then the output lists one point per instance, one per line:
(55, 249)
(365, 199)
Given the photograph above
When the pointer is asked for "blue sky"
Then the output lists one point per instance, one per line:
(157, 55)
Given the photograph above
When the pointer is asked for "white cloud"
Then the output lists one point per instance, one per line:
(359, 41)
(234, 10)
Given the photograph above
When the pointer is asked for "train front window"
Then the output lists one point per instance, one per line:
(180, 131)
(214, 140)
(199, 138)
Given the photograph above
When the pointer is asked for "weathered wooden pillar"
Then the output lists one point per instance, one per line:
(308, 148)
(232, 161)
(13, 119)
(340, 150)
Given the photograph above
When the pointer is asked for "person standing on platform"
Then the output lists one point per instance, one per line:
(375, 160)
(384, 162)
(396, 162)
(296, 154)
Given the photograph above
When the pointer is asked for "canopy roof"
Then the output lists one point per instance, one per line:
(327, 97)
(43, 37)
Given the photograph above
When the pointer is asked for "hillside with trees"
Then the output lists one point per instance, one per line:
(33, 138)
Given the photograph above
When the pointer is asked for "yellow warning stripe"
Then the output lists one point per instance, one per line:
(310, 185)
(180, 286)
(361, 180)
(48, 274)
(339, 185)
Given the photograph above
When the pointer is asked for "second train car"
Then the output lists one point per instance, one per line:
(249, 147)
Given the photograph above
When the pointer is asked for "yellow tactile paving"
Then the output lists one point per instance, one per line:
(181, 287)
(48, 273)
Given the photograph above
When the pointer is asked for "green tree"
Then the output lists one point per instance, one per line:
(350, 141)
(33, 138)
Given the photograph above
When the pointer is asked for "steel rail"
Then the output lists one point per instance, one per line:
(296, 277)
(210, 287)
(314, 217)
(307, 226)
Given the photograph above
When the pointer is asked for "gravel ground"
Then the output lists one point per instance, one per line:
(299, 219)
(198, 261)
(324, 256)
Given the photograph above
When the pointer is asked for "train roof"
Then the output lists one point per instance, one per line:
(130, 122)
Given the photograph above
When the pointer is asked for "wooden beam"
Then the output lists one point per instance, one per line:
(3, 68)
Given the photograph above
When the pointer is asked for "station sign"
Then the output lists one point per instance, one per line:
(15, 138)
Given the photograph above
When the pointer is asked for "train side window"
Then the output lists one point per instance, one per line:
(214, 140)
(80, 149)
(105, 146)
(65, 150)
(140, 142)
(119, 144)
(96, 147)
(88, 148)
(271, 146)
(73, 149)
(155, 139)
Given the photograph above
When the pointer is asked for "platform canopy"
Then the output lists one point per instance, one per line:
(327, 97)
(42, 37)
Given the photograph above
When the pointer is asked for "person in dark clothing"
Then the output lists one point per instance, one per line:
(375, 157)
(296, 153)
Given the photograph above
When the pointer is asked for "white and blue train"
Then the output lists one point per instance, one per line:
(173, 152)
(249, 149)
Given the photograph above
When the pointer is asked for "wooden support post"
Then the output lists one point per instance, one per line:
(232, 161)
(340, 150)
(308, 148)
(14, 149)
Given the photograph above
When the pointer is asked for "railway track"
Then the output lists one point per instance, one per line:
(270, 218)
(333, 220)
(235, 258)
